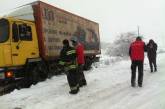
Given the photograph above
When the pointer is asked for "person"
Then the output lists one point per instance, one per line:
(80, 60)
(136, 52)
(151, 54)
(68, 60)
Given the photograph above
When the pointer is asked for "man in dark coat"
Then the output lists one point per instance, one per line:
(68, 60)
(151, 53)
(136, 53)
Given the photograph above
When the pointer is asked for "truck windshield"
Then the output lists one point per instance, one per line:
(4, 30)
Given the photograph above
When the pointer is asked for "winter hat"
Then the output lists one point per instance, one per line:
(65, 42)
(138, 38)
(151, 41)
(74, 39)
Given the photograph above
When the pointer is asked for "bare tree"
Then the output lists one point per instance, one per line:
(121, 46)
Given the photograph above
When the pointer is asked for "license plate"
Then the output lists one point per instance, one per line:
(2, 75)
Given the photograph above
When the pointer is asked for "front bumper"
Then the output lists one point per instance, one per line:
(4, 80)
(2, 74)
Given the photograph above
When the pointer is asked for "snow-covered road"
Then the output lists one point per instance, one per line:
(108, 88)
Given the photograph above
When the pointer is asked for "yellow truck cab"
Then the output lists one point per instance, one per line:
(18, 42)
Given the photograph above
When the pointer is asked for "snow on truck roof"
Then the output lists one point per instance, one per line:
(26, 12)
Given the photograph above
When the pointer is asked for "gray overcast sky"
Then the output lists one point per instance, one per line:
(113, 16)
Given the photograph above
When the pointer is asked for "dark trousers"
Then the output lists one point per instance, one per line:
(152, 62)
(72, 78)
(82, 80)
(134, 65)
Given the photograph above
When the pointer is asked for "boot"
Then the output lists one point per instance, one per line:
(155, 70)
(133, 84)
(83, 83)
(140, 85)
(74, 91)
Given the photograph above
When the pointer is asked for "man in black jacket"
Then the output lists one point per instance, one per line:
(151, 53)
(68, 60)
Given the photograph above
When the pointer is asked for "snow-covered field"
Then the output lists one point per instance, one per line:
(108, 88)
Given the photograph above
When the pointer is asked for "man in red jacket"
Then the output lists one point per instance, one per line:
(136, 53)
(80, 60)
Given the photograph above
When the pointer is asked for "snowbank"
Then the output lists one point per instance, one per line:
(108, 88)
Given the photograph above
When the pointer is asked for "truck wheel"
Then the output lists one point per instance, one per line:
(35, 77)
(35, 72)
(40, 72)
(31, 76)
(53, 70)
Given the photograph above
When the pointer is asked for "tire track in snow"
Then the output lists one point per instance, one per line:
(113, 95)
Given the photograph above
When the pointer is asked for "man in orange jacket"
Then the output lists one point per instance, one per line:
(136, 53)
(80, 60)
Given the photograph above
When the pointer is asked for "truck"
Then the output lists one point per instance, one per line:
(31, 39)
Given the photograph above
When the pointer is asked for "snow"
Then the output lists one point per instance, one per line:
(108, 88)
(24, 12)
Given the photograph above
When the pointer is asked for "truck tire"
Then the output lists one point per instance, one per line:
(35, 72)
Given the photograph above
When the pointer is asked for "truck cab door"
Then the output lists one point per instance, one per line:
(5, 54)
(24, 43)
(5, 45)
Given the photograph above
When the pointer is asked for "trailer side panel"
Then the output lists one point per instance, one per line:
(54, 25)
